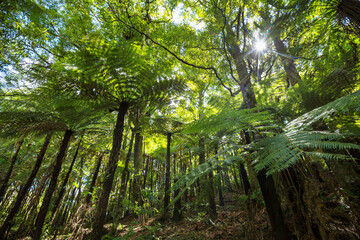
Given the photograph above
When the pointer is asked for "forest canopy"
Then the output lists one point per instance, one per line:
(158, 110)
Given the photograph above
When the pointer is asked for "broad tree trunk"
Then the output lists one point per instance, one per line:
(53, 181)
(23, 191)
(102, 205)
(5, 182)
(273, 207)
(93, 180)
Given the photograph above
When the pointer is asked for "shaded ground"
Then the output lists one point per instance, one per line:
(231, 223)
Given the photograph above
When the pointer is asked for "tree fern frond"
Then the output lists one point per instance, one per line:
(346, 104)
(280, 152)
(233, 119)
(211, 164)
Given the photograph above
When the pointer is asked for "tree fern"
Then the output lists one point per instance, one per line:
(215, 162)
(346, 104)
(280, 152)
(235, 120)
(299, 142)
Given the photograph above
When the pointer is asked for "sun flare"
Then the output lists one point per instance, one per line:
(260, 45)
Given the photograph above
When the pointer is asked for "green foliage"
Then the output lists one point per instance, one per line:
(348, 104)
(282, 151)
(230, 120)
(209, 165)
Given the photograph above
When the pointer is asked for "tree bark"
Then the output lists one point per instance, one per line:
(21, 196)
(292, 74)
(137, 167)
(66, 179)
(273, 206)
(52, 185)
(167, 174)
(211, 196)
(93, 180)
(146, 170)
(244, 178)
(102, 205)
(9, 172)
(125, 173)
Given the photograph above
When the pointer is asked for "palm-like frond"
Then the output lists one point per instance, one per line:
(233, 119)
(280, 152)
(346, 104)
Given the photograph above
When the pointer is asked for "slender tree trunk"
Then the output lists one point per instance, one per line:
(66, 179)
(5, 183)
(53, 181)
(21, 196)
(137, 167)
(211, 196)
(209, 190)
(102, 205)
(151, 174)
(244, 178)
(146, 170)
(177, 215)
(167, 175)
(94, 177)
(235, 178)
(125, 173)
(228, 182)
(221, 197)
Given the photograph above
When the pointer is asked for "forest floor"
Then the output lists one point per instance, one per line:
(232, 222)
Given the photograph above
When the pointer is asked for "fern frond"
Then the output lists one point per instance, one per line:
(280, 152)
(211, 164)
(233, 119)
(346, 104)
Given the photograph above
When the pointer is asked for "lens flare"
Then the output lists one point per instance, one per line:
(260, 45)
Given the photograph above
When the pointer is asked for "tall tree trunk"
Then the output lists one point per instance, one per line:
(221, 197)
(211, 196)
(177, 215)
(94, 177)
(102, 205)
(273, 206)
(146, 170)
(267, 186)
(167, 175)
(292, 74)
(244, 178)
(209, 190)
(23, 191)
(53, 181)
(66, 179)
(137, 167)
(5, 183)
(125, 173)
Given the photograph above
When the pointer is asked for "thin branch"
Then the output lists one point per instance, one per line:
(173, 54)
